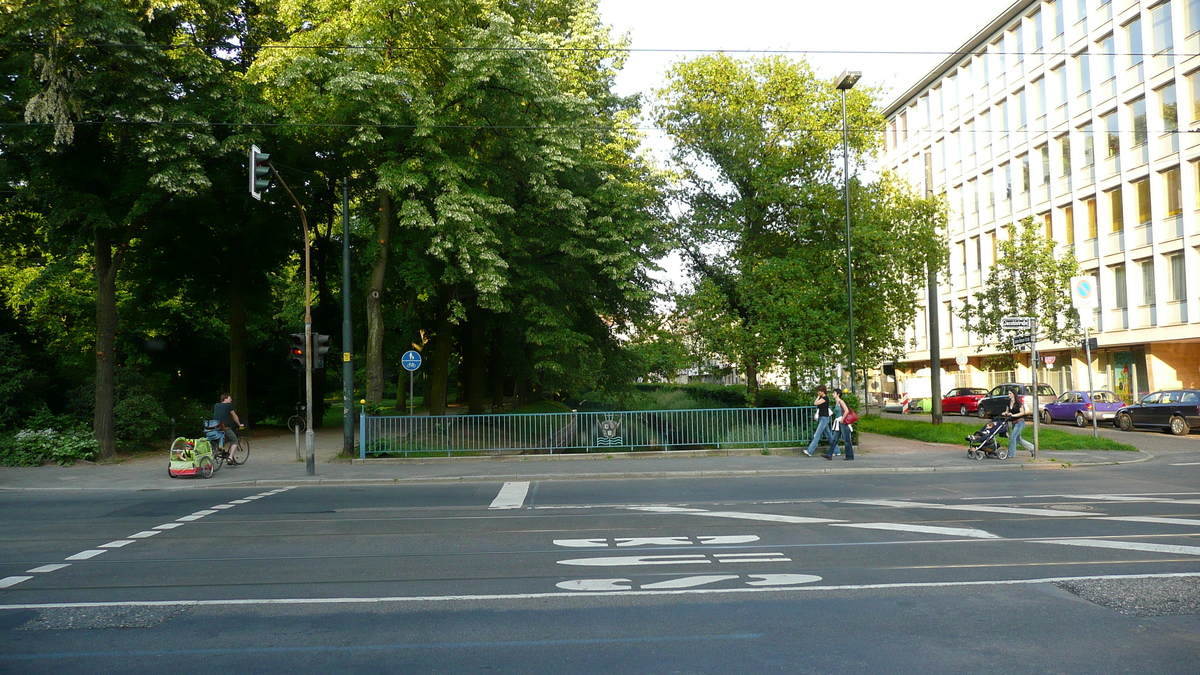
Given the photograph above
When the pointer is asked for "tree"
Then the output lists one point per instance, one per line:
(1028, 279)
(758, 145)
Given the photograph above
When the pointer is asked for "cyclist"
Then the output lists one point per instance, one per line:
(224, 413)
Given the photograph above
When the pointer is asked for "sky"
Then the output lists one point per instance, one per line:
(880, 38)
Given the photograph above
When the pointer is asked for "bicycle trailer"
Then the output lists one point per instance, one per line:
(191, 457)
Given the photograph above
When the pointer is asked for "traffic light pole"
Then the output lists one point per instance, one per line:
(309, 435)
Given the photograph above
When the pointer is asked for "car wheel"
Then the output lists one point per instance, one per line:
(1080, 421)
(1124, 423)
(1046, 418)
(979, 411)
(962, 410)
(1179, 426)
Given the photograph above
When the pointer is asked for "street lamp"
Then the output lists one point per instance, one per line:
(845, 82)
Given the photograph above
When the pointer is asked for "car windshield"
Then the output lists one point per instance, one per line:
(1045, 390)
(1104, 397)
(974, 392)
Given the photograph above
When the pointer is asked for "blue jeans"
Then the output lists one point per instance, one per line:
(844, 434)
(1014, 437)
(821, 432)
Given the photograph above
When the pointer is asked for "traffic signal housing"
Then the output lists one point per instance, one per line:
(320, 349)
(260, 172)
(296, 351)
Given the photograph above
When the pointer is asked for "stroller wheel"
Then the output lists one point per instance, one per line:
(1001, 453)
(979, 454)
(970, 453)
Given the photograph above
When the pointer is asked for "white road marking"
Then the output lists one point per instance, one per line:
(144, 534)
(251, 602)
(12, 581)
(48, 568)
(168, 526)
(1153, 519)
(750, 557)
(1015, 510)
(1119, 498)
(618, 561)
(1187, 464)
(926, 529)
(595, 585)
(512, 496)
(84, 555)
(240, 501)
(117, 544)
(1124, 545)
(621, 542)
(188, 519)
(223, 506)
(690, 582)
(781, 579)
(768, 517)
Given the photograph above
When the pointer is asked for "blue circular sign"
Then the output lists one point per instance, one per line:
(1084, 289)
(411, 360)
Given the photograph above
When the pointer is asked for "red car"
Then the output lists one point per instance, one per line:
(964, 400)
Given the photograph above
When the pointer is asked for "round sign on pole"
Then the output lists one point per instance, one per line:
(411, 360)
(1049, 361)
(961, 360)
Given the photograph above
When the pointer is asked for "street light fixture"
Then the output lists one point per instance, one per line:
(845, 82)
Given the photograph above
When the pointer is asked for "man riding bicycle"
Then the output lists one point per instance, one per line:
(224, 413)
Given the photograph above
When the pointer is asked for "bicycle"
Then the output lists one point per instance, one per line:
(220, 446)
(298, 422)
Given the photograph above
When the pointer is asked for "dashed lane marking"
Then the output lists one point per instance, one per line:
(48, 568)
(84, 555)
(511, 496)
(118, 543)
(12, 581)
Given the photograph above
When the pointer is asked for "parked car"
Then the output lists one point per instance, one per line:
(964, 400)
(996, 401)
(1081, 406)
(1175, 410)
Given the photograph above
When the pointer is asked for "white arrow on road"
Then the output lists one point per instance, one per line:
(759, 580)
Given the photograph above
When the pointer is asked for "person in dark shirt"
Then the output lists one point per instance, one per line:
(224, 413)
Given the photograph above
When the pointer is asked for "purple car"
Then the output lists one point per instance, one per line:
(1081, 405)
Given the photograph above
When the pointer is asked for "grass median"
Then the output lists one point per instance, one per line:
(955, 433)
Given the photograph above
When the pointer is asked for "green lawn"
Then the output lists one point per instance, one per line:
(955, 433)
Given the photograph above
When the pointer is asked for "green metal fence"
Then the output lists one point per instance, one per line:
(551, 433)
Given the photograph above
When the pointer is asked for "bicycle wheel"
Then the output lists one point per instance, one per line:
(206, 467)
(239, 456)
(297, 422)
(218, 454)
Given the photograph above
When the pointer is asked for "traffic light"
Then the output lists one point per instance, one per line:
(260, 171)
(296, 351)
(320, 349)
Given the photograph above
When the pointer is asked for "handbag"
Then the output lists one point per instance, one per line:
(850, 417)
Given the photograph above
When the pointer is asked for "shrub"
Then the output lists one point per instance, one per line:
(30, 447)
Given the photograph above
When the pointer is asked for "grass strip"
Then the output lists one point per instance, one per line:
(955, 433)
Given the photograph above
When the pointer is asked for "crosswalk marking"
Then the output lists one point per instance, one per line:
(924, 529)
(512, 496)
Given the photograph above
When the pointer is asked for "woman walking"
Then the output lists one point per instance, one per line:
(841, 430)
(822, 404)
(1017, 412)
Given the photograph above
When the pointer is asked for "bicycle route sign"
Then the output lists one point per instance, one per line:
(411, 360)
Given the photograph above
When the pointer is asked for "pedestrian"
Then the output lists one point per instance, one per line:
(822, 404)
(1017, 413)
(841, 430)
(224, 413)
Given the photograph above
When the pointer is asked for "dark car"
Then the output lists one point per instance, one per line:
(964, 400)
(996, 401)
(1174, 410)
(1080, 406)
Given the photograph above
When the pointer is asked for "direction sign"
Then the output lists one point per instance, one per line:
(1016, 323)
(411, 360)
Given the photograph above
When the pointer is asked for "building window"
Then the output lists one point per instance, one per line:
(1056, 10)
(1160, 22)
(1044, 165)
(1138, 108)
(1133, 34)
(1148, 295)
(1194, 85)
(1047, 225)
(1108, 56)
(1060, 82)
(992, 242)
(1083, 62)
(1142, 190)
(1178, 277)
(1038, 32)
(1093, 227)
(1019, 103)
(1064, 153)
(1039, 98)
(1174, 190)
(987, 188)
(1169, 108)
(1193, 16)
(1024, 160)
(1089, 144)
(1116, 206)
(972, 196)
(1068, 212)
(1007, 180)
(1112, 136)
(1122, 289)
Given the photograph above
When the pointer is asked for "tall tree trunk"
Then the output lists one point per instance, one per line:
(439, 368)
(375, 302)
(496, 366)
(103, 421)
(477, 363)
(752, 381)
(238, 386)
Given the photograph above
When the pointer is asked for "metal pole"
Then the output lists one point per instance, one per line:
(1033, 362)
(347, 330)
(410, 393)
(849, 277)
(1087, 351)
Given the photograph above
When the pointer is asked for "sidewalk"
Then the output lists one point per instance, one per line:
(273, 463)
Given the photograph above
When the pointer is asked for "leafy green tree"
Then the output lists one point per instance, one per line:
(1028, 279)
(758, 144)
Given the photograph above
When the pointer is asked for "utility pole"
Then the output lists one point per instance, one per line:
(347, 329)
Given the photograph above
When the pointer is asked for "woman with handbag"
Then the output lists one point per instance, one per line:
(822, 405)
(841, 427)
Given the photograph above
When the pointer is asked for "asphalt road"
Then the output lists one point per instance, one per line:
(1083, 571)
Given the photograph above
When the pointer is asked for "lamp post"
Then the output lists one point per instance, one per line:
(846, 82)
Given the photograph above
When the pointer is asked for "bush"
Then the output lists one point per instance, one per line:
(31, 447)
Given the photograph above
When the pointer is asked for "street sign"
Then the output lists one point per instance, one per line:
(1016, 323)
(1022, 339)
(411, 360)
(1049, 361)
(1083, 293)
(961, 360)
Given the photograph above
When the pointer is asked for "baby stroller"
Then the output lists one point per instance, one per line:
(983, 443)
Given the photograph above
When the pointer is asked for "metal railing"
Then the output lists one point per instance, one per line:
(549, 433)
